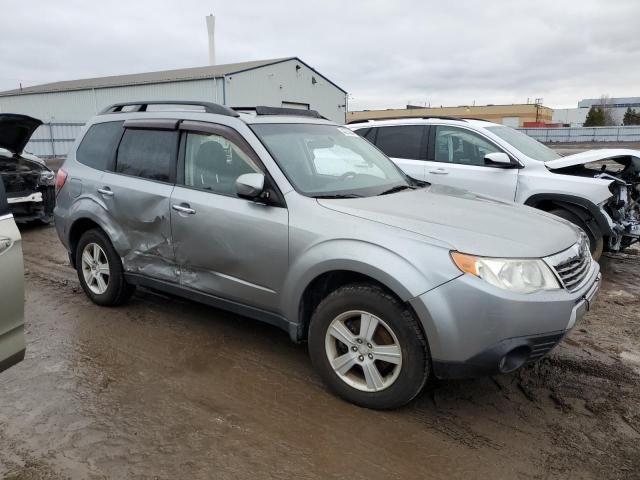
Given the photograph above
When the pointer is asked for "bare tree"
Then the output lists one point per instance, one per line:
(607, 110)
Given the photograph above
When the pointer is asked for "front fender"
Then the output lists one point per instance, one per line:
(406, 278)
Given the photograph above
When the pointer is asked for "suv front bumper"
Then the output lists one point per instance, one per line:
(475, 329)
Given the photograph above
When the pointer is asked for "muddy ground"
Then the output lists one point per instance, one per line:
(167, 389)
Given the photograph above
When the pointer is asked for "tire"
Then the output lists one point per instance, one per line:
(596, 240)
(116, 290)
(398, 333)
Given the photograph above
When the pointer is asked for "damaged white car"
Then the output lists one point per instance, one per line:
(597, 190)
(29, 183)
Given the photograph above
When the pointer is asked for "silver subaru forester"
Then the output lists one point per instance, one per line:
(288, 218)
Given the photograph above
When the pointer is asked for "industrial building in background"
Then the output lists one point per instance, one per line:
(575, 117)
(281, 82)
(515, 115)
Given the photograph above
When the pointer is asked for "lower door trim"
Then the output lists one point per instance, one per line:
(214, 301)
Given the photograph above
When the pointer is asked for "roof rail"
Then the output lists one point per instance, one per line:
(428, 117)
(475, 118)
(296, 112)
(141, 106)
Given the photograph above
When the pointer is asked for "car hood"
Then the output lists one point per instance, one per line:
(16, 130)
(468, 222)
(592, 156)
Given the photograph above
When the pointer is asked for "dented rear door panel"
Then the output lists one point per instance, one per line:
(141, 208)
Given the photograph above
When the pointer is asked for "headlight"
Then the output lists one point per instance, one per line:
(514, 274)
(47, 177)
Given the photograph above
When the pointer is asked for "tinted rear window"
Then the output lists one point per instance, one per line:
(148, 154)
(4, 206)
(404, 141)
(99, 145)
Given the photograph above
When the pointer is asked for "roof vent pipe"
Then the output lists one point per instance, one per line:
(211, 29)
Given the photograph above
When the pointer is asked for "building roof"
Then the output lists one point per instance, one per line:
(194, 73)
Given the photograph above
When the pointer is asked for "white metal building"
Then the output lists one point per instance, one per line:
(282, 82)
(575, 117)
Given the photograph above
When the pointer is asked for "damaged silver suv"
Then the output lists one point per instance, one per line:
(285, 217)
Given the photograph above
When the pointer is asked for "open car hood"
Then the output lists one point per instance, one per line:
(16, 130)
(592, 156)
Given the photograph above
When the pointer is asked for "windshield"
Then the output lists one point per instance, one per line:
(527, 145)
(327, 160)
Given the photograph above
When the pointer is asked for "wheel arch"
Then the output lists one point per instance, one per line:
(589, 212)
(324, 284)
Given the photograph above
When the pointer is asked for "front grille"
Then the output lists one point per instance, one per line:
(543, 345)
(572, 266)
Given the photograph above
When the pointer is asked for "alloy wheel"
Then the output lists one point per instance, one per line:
(95, 268)
(363, 351)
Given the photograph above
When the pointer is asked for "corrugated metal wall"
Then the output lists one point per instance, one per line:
(53, 139)
(584, 134)
(274, 84)
(79, 106)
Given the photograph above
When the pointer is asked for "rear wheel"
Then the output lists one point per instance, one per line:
(368, 347)
(100, 270)
(596, 240)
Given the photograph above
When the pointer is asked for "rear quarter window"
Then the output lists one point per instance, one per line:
(148, 154)
(98, 147)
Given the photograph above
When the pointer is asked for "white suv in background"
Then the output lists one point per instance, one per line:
(597, 190)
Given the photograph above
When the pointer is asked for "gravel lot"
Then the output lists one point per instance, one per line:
(166, 389)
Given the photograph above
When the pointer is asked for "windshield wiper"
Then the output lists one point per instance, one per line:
(397, 188)
(339, 195)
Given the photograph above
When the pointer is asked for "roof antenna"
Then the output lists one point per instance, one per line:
(211, 29)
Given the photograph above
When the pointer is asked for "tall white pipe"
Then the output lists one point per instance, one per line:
(211, 29)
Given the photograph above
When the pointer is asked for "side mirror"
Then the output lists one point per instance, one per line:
(498, 160)
(250, 185)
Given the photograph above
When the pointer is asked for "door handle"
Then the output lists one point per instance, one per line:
(440, 171)
(5, 243)
(186, 209)
(106, 191)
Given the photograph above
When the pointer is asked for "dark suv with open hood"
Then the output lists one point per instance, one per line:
(29, 183)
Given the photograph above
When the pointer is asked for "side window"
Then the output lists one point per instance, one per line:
(99, 144)
(213, 163)
(403, 141)
(458, 145)
(368, 133)
(148, 154)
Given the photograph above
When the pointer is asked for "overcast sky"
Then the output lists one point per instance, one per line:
(384, 53)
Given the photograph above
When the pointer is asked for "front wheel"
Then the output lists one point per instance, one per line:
(368, 347)
(596, 240)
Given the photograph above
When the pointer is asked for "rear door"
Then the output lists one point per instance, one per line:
(456, 158)
(12, 343)
(406, 145)
(136, 194)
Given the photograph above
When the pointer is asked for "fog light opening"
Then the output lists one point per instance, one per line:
(514, 359)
